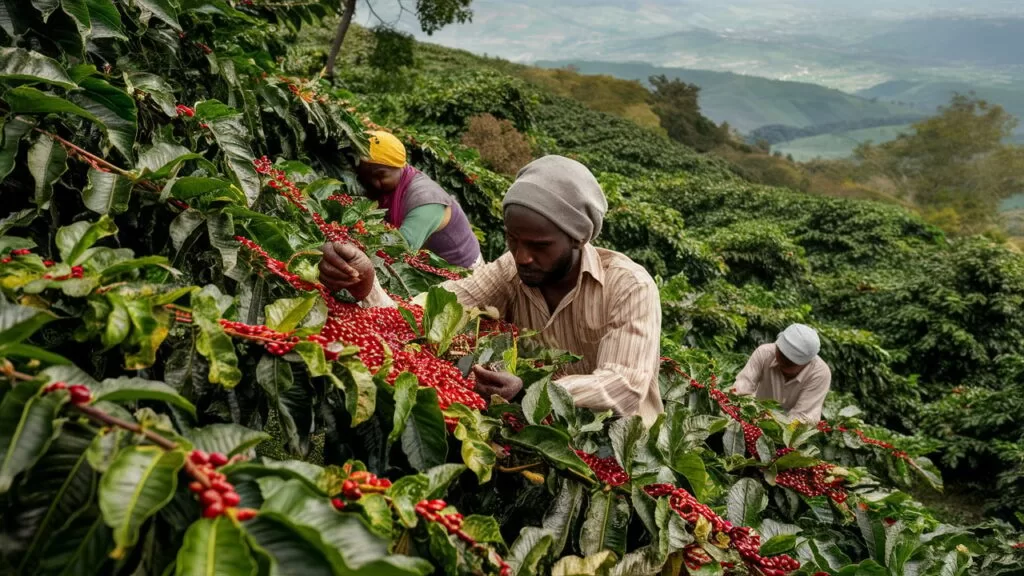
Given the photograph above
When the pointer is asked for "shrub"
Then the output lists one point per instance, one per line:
(502, 148)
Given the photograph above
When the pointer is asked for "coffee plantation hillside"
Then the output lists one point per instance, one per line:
(181, 395)
(923, 330)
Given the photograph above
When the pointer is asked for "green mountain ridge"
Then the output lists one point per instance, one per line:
(751, 102)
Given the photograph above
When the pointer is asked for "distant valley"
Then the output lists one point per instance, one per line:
(842, 72)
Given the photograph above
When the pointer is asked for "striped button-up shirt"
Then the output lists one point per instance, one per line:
(801, 397)
(612, 319)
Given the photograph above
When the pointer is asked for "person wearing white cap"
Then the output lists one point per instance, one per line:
(789, 372)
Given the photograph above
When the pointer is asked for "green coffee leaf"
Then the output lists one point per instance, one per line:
(598, 564)
(286, 314)
(21, 64)
(355, 380)
(137, 485)
(228, 439)
(215, 546)
(212, 342)
(26, 429)
(74, 241)
(552, 445)
(405, 398)
(47, 162)
(746, 500)
(425, 439)
(605, 523)
(127, 389)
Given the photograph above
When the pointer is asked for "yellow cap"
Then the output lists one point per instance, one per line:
(386, 149)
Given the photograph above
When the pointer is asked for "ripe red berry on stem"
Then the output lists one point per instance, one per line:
(199, 457)
(231, 499)
(218, 459)
(80, 394)
(209, 497)
(213, 510)
(222, 486)
(244, 514)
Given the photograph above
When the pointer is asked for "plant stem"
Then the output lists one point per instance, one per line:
(112, 421)
(515, 469)
(393, 272)
(92, 158)
(14, 374)
(288, 264)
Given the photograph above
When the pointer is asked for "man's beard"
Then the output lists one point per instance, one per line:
(557, 272)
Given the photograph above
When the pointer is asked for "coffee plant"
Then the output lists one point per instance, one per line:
(179, 393)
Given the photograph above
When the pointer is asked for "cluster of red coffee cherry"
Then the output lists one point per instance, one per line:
(337, 233)
(742, 538)
(824, 427)
(607, 469)
(279, 181)
(431, 510)
(419, 261)
(343, 199)
(358, 483)
(751, 432)
(513, 422)
(76, 272)
(280, 269)
(14, 253)
(79, 393)
(219, 496)
(812, 480)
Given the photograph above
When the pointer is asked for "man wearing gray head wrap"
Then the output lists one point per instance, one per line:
(789, 372)
(592, 302)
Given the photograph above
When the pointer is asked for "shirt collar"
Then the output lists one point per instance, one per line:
(591, 263)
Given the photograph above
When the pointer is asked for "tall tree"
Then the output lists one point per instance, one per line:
(956, 161)
(676, 104)
(432, 15)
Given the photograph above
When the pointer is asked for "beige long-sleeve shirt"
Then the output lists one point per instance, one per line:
(801, 398)
(612, 318)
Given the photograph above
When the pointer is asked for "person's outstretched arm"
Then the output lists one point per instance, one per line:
(345, 267)
(748, 378)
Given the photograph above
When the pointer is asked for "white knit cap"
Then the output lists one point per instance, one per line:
(799, 343)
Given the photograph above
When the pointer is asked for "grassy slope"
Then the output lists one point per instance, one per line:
(604, 93)
(839, 145)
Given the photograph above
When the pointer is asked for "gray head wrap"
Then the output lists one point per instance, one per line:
(564, 191)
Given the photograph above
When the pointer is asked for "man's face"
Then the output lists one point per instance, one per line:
(378, 180)
(543, 253)
(788, 368)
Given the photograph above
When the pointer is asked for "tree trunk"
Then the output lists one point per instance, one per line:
(339, 36)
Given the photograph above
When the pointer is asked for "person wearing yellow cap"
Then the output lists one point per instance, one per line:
(425, 215)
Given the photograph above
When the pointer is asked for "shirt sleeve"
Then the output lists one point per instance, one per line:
(749, 378)
(811, 399)
(627, 356)
(420, 223)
